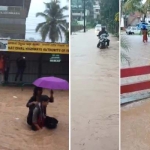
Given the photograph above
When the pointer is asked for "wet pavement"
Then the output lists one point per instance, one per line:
(139, 56)
(135, 117)
(94, 93)
(139, 52)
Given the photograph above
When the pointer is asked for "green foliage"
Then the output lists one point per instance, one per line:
(67, 36)
(131, 6)
(125, 47)
(117, 17)
(54, 24)
(108, 10)
(79, 5)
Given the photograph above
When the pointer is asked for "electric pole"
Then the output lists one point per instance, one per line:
(84, 15)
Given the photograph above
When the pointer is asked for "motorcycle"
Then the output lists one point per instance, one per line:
(103, 41)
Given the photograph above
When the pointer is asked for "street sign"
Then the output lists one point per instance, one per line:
(55, 58)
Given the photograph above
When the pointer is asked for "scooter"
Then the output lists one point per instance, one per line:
(103, 41)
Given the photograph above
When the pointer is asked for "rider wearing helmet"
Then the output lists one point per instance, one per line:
(103, 31)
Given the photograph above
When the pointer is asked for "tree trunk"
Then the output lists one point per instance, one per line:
(144, 18)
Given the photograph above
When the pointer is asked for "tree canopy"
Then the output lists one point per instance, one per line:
(55, 21)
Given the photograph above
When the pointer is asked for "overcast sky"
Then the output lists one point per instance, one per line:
(32, 21)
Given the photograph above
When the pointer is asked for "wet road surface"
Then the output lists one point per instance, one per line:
(135, 117)
(94, 93)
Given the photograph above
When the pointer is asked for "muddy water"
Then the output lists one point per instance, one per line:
(135, 126)
(139, 54)
(135, 117)
(94, 93)
(15, 134)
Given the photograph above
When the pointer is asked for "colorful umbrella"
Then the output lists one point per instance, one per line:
(53, 83)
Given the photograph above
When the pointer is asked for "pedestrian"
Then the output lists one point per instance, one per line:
(145, 34)
(7, 68)
(2, 68)
(34, 100)
(21, 66)
(39, 119)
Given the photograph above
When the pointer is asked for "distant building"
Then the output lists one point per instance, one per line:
(78, 12)
(96, 8)
(132, 19)
(13, 14)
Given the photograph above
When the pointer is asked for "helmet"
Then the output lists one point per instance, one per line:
(103, 27)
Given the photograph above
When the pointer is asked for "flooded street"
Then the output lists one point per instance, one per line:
(139, 54)
(135, 126)
(15, 134)
(94, 93)
(135, 117)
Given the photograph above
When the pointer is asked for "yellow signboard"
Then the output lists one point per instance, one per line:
(37, 47)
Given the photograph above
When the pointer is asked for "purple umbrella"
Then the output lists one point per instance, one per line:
(52, 83)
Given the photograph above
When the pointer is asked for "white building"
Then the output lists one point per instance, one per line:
(96, 8)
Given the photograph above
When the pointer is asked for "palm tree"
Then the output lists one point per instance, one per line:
(54, 24)
(125, 47)
(67, 36)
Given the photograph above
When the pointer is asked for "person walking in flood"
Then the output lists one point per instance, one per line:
(21, 66)
(145, 34)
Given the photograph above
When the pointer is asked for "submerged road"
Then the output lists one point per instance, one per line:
(94, 93)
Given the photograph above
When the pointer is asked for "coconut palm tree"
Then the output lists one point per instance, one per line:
(67, 36)
(55, 22)
(125, 47)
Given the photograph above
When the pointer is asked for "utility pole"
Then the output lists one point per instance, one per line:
(84, 15)
(71, 22)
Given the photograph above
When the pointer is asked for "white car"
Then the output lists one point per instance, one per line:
(98, 28)
(133, 30)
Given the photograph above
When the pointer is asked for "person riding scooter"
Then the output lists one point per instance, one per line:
(103, 31)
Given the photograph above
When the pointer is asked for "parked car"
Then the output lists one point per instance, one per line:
(98, 28)
(133, 30)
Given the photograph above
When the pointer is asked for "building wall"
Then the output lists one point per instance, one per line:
(134, 18)
(11, 2)
(13, 14)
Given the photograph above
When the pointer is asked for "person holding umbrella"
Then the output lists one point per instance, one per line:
(40, 104)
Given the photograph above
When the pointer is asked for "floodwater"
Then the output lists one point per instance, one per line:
(135, 126)
(139, 54)
(94, 93)
(15, 134)
(135, 117)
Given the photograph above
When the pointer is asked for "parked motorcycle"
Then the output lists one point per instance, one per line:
(103, 41)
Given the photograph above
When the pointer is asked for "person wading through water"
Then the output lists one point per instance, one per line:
(145, 34)
(39, 119)
(34, 100)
